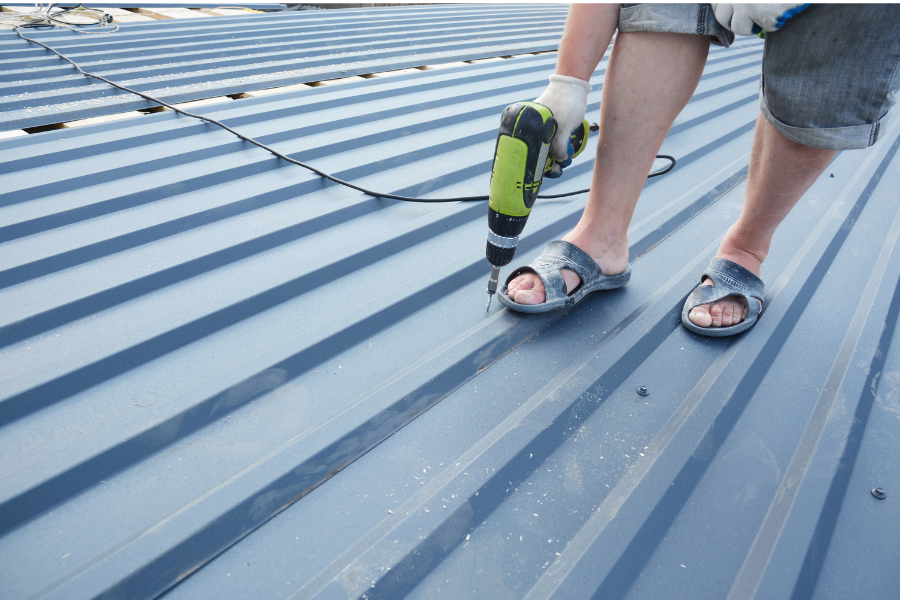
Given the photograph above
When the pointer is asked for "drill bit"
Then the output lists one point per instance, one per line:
(492, 285)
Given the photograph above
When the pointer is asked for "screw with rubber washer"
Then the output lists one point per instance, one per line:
(643, 391)
(879, 493)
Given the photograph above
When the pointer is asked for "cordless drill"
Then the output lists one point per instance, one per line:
(521, 158)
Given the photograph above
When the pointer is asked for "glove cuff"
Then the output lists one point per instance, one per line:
(566, 97)
(572, 82)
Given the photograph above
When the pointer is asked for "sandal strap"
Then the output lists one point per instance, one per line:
(729, 279)
(559, 255)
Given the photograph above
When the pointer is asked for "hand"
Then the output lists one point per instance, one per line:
(750, 19)
(566, 97)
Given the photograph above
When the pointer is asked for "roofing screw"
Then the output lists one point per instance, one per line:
(643, 391)
(879, 493)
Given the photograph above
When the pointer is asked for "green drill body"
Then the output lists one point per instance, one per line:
(521, 158)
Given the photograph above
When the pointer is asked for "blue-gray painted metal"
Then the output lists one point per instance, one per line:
(224, 377)
(182, 60)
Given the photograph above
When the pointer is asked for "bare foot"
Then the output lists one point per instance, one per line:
(528, 288)
(728, 311)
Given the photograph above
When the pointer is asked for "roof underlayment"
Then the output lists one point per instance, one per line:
(224, 377)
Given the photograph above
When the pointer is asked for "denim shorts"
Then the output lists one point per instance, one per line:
(674, 18)
(830, 75)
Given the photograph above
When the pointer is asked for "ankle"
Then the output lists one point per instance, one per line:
(752, 261)
(747, 248)
(611, 255)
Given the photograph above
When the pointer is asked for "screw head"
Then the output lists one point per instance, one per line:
(643, 391)
(879, 493)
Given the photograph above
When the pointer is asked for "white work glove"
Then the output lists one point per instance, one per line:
(566, 97)
(750, 19)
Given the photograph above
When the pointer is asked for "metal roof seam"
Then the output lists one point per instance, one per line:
(31, 499)
(234, 366)
(189, 75)
(747, 581)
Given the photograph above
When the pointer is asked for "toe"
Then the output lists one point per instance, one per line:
(700, 316)
(737, 309)
(526, 289)
(727, 314)
(715, 313)
(739, 312)
(527, 297)
(723, 313)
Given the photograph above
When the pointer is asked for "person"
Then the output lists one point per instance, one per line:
(830, 75)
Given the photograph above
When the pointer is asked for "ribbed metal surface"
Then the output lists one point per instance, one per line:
(225, 378)
(182, 60)
(252, 4)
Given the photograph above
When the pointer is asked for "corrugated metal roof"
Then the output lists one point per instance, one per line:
(225, 377)
(179, 61)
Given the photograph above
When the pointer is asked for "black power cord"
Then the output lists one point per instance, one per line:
(41, 18)
(304, 165)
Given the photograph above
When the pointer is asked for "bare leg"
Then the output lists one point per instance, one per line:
(650, 78)
(780, 173)
(589, 28)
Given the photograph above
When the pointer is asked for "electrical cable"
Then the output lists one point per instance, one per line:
(40, 17)
(297, 162)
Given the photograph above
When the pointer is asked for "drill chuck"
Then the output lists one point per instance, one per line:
(500, 249)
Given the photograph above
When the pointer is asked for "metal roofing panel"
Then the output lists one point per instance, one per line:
(224, 376)
(182, 60)
(252, 4)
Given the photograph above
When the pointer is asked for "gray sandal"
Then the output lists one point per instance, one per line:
(563, 255)
(729, 279)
